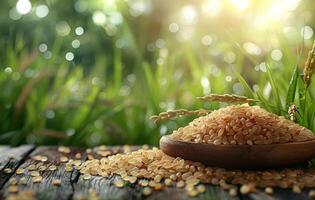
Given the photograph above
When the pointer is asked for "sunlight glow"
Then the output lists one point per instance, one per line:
(23, 6)
(280, 8)
(240, 4)
(189, 14)
(99, 18)
(211, 8)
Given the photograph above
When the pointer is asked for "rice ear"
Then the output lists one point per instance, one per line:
(309, 66)
(178, 113)
(229, 98)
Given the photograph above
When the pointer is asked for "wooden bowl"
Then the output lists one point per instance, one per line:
(241, 156)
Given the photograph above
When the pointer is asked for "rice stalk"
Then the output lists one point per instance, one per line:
(177, 113)
(28, 88)
(309, 66)
(229, 98)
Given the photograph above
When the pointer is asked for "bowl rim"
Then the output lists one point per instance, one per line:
(167, 137)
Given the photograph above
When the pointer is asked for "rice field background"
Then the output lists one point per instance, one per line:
(84, 73)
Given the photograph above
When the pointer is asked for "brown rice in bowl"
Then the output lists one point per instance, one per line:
(242, 124)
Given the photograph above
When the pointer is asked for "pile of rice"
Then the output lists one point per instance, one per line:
(153, 170)
(242, 124)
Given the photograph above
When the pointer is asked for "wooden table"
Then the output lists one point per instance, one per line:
(74, 187)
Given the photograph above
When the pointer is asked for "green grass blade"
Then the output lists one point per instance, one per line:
(274, 88)
(152, 84)
(302, 93)
(311, 116)
(117, 70)
(248, 91)
(292, 88)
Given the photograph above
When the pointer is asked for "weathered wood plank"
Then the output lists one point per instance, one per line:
(212, 193)
(73, 185)
(11, 158)
(105, 189)
(12, 153)
(280, 194)
(45, 189)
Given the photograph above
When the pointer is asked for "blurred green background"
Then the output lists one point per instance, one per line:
(78, 72)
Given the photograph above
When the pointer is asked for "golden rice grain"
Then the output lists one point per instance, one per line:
(146, 191)
(23, 181)
(56, 182)
(119, 183)
(20, 171)
(52, 167)
(31, 167)
(233, 192)
(296, 189)
(269, 190)
(13, 181)
(35, 173)
(78, 156)
(37, 179)
(64, 159)
(242, 124)
(13, 189)
(63, 149)
(201, 188)
(87, 176)
(311, 194)
(12, 157)
(156, 170)
(192, 193)
(168, 182)
(7, 170)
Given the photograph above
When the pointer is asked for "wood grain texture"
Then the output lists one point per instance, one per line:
(279, 194)
(212, 193)
(104, 187)
(241, 156)
(73, 185)
(106, 190)
(45, 189)
(11, 158)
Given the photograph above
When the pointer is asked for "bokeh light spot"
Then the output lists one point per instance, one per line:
(69, 56)
(252, 48)
(23, 6)
(79, 30)
(75, 44)
(42, 47)
(173, 27)
(41, 11)
(276, 54)
(81, 6)
(8, 70)
(14, 14)
(63, 28)
(228, 78)
(206, 40)
(307, 32)
(99, 18)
